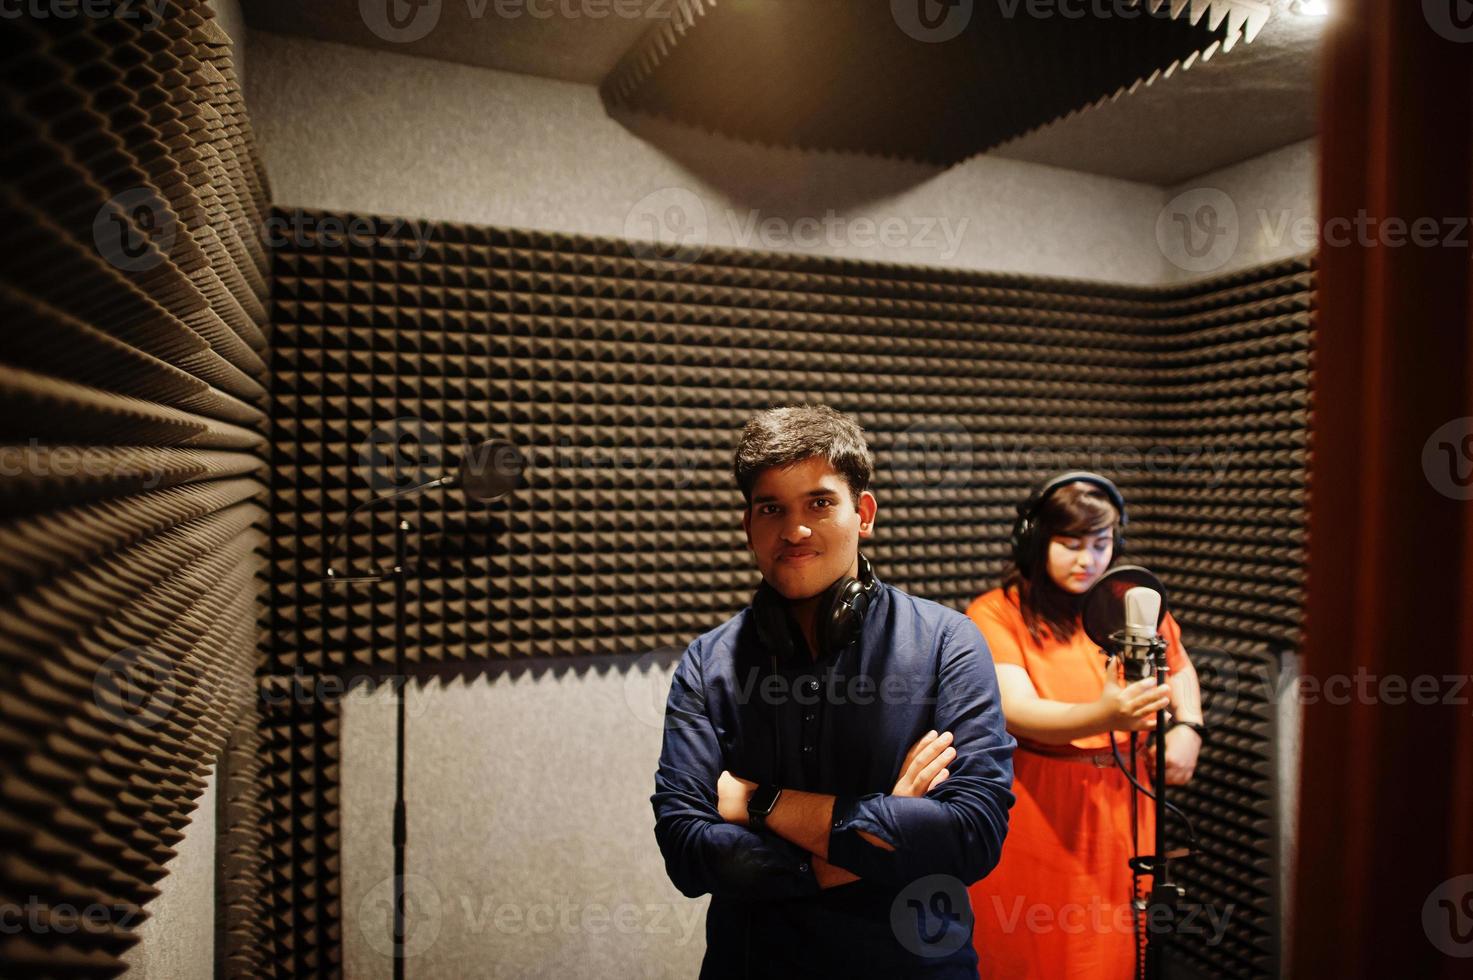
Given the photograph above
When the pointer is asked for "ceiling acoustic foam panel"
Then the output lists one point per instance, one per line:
(935, 81)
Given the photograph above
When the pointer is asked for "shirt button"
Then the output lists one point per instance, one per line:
(803, 868)
(809, 717)
(812, 687)
(838, 824)
(807, 748)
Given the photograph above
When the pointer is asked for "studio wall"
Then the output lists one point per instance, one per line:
(133, 509)
(623, 378)
(1260, 210)
(360, 132)
(136, 283)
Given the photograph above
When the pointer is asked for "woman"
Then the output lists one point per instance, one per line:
(1058, 903)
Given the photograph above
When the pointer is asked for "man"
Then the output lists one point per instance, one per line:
(835, 794)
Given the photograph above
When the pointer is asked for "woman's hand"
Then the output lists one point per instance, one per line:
(925, 765)
(1182, 746)
(1133, 708)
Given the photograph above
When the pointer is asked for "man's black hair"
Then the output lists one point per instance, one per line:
(784, 436)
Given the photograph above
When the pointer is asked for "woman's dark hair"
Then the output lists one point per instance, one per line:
(1074, 509)
(784, 436)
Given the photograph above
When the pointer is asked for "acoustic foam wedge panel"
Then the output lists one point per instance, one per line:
(1231, 879)
(625, 384)
(935, 82)
(244, 869)
(132, 512)
(299, 795)
(625, 381)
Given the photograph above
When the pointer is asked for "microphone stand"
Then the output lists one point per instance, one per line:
(486, 473)
(398, 574)
(401, 819)
(1161, 906)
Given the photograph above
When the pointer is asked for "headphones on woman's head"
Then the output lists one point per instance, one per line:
(841, 611)
(1026, 526)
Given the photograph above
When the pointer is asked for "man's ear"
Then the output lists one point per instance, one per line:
(867, 506)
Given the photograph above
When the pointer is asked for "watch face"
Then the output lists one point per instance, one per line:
(763, 800)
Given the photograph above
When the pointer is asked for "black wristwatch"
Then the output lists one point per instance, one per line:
(760, 805)
(1201, 730)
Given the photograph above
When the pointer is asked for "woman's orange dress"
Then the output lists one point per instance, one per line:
(1058, 902)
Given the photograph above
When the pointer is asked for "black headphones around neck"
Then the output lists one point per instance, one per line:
(1026, 525)
(840, 617)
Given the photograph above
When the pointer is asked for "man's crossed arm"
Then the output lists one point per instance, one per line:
(805, 819)
(892, 838)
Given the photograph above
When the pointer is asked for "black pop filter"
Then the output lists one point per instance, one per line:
(1104, 603)
(490, 470)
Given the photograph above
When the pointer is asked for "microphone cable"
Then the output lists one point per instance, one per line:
(1191, 831)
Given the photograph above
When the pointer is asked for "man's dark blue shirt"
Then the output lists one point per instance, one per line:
(842, 725)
